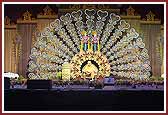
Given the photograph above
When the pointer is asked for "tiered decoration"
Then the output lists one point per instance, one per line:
(90, 35)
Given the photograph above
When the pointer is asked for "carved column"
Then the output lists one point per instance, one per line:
(151, 32)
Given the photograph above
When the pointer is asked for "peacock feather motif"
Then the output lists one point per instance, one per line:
(90, 35)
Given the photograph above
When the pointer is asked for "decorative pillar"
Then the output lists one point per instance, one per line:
(81, 46)
(151, 31)
(26, 27)
(66, 71)
(9, 46)
(98, 44)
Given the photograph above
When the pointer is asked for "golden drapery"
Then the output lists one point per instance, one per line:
(9, 50)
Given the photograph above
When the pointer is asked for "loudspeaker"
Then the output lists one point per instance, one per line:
(6, 83)
(39, 84)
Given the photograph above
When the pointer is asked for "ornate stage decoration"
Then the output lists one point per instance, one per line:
(150, 16)
(89, 70)
(93, 43)
(130, 11)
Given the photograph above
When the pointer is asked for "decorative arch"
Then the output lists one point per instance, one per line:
(79, 59)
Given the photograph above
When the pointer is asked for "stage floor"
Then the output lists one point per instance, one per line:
(84, 99)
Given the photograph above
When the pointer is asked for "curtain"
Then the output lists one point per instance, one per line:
(9, 51)
(151, 33)
(26, 32)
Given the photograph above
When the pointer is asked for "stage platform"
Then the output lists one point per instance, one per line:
(86, 99)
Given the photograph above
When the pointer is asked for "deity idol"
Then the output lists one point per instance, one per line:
(85, 39)
(95, 40)
(90, 69)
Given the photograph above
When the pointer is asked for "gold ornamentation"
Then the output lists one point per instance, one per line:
(8, 24)
(66, 71)
(81, 46)
(47, 13)
(130, 11)
(131, 17)
(94, 33)
(98, 44)
(90, 69)
(47, 10)
(83, 32)
(79, 59)
(75, 6)
(7, 20)
(102, 6)
(89, 6)
(34, 37)
(27, 16)
(150, 22)
(150, 16)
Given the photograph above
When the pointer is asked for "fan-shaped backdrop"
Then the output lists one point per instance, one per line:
(111, 38)
(90, 34)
